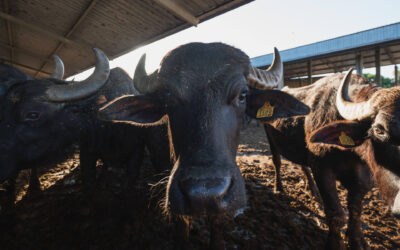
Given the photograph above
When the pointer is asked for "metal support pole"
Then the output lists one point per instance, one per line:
(359, 64)
(309, 72)
(396, 75)
(378, 66)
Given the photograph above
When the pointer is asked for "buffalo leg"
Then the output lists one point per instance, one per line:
(276, 159)
(358, 185)
(88, 162)
(182, 230)
(326, 182)
(244, 123)
(134, 164)
(216, 233)
(10, 194)
(157, 142)
(310, 182)
(34, 183)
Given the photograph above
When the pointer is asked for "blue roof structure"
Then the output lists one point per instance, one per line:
(359, 42)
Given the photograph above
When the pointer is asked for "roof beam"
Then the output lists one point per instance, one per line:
(389, 54)
(23, 51)
(9, 32)
(41, 30)
(24, 66)
(182, 13)
(69, 33)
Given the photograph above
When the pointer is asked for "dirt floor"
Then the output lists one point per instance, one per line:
(121, 216)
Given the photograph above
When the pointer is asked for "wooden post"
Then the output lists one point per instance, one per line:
(359, 64)
(309, 71)
(378, 66)
(396, 75)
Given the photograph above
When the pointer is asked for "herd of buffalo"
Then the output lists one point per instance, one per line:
(188, 114)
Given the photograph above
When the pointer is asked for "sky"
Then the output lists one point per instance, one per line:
(259, 26)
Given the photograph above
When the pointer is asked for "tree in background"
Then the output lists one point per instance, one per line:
(386, 82)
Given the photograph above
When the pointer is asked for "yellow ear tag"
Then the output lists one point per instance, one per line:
(346, 140)
(267, 110)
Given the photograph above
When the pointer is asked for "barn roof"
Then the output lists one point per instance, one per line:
(32, 31)
(338, 54)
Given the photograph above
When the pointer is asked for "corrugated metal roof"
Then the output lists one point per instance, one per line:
(339, 53)
(116, 27)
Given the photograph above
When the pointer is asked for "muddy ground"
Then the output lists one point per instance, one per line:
(123, 216)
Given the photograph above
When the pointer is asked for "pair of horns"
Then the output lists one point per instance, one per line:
(260, 79)
(350, 110)
(78, 90)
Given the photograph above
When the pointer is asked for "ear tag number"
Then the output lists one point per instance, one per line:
(346, 140)
(267, 110)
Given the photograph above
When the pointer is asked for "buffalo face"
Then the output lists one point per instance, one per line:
(38, 118)
(32, 129)
(203, 91)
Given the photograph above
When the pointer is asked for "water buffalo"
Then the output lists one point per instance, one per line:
(356, 151)
(203, 91)
(65, 113)
(10, 75)
(42, 118)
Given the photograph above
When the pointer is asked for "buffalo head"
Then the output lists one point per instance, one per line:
(38, 116)
(204, 90)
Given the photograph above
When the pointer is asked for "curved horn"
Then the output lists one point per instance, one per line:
(267, 79)
(144, 83)
(82, 89)
(58, 69)
(349, 110)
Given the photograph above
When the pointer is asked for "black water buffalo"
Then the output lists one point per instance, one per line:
(10, 75)
(203, 91)
(43, 118)
(355, 152)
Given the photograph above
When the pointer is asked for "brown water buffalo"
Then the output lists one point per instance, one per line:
(203, 91)
(357, 151)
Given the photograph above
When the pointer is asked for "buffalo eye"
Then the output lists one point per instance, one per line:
(32, 116)
(240, 99)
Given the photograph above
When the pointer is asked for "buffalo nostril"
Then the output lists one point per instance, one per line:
(206, 194)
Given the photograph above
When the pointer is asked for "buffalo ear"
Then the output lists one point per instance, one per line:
(141, 110)
(268, 105)
(342, 134)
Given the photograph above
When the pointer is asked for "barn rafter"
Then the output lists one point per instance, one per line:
(35, 30)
